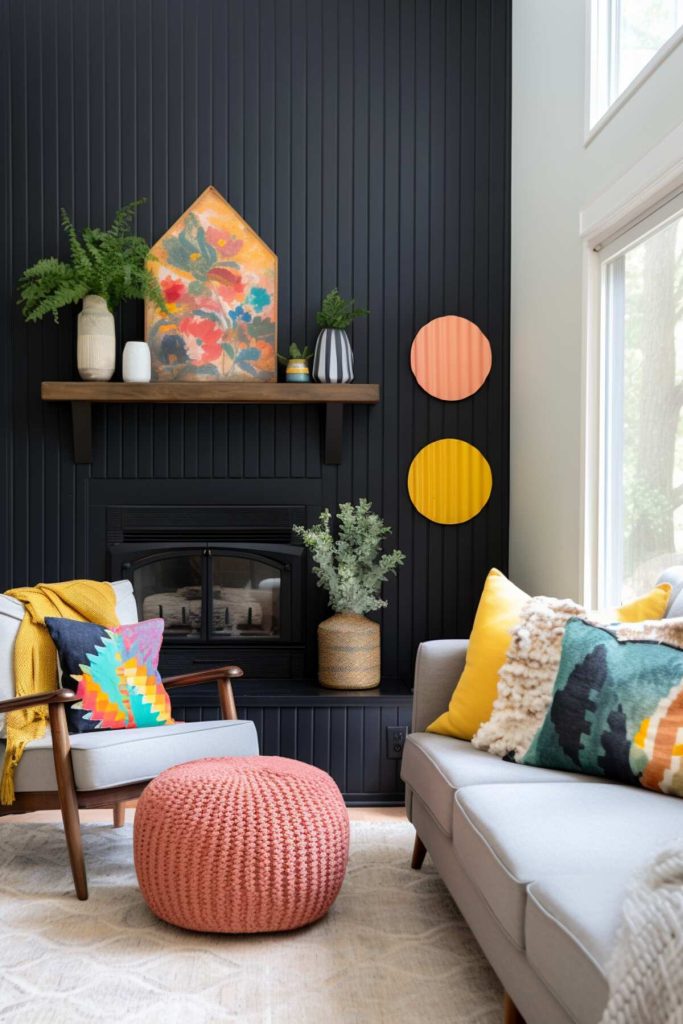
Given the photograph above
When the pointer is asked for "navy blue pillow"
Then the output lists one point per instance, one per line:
(114, 673)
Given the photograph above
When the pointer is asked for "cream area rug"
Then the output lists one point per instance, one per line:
(393, 949)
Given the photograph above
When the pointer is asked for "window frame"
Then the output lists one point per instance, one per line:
(603, 453)
(601, 19)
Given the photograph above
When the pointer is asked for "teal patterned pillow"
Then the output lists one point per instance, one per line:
(617, 707)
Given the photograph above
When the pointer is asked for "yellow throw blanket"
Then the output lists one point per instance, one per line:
(35, 656)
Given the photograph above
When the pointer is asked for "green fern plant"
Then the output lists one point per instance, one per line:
(111, 264)
(337, 312)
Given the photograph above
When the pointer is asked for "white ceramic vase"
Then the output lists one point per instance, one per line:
(96, 346)
(137, 362)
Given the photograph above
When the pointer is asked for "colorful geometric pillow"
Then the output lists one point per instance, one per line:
(617, 706)
(114, 673)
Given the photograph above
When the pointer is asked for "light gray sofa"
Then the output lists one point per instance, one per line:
(538, 861)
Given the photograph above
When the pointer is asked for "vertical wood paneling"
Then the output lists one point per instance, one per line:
(349, 742)
(369, 144)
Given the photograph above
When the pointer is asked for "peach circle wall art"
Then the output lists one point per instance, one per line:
(449, 481)
(450, 358)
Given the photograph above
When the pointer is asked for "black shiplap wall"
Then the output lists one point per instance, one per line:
(368, 142)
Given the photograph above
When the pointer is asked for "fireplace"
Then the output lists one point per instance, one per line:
(228, 583)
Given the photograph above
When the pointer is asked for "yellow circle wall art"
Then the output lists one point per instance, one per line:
(450, 358)
(449, 481)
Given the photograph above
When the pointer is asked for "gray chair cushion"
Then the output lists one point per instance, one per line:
(510, 836)
(122, 756)
(435, 767)
(570, 929)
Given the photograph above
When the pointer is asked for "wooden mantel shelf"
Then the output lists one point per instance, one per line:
(81, 395)
(213, 392)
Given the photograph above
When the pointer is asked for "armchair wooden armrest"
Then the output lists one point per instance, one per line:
(62, 696)
(221, 676)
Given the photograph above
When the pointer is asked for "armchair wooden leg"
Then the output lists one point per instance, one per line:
(119, 815)
(419, 851)
(226, 699)
(511, 1014)
(66, 787)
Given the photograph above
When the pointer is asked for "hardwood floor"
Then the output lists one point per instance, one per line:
(355, 814)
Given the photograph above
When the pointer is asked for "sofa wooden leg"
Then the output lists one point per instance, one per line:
(119, 815)
(68, 802)
(511, 1014)
(419, 851)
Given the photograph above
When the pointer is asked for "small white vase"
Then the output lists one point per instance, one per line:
(137, 362)
(96, 345)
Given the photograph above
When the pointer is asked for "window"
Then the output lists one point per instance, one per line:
(626, 34)
(641, 463)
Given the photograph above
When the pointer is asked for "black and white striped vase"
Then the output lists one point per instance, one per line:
(333, 359)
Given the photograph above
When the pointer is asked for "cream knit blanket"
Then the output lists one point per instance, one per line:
(646, 971)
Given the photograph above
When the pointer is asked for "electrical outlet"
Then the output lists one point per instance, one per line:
(396, 737)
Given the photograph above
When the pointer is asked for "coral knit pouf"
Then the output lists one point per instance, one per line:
(241, 844)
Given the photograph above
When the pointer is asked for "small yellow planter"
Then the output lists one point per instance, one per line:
(349, 652)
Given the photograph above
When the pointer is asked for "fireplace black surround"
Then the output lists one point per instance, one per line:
(233, 588)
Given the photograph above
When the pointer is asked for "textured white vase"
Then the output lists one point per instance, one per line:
(137, 362)
(96, 346)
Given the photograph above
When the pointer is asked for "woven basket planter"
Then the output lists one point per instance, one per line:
(349, 652)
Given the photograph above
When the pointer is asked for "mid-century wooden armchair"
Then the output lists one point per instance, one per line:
(108, 768)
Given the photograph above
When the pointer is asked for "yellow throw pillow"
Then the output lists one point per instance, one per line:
(497, 615)
(643, 608)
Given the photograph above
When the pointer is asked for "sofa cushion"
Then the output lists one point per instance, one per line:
(437, 766)
(117, 758)
(510, 836)
(570, 929)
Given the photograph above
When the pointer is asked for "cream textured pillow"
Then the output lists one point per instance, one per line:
(525, 682)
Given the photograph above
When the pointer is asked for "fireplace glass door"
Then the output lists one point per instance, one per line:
(216, 594)
(170, 588)
(245, 597)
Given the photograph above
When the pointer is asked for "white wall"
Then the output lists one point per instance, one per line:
(554, 177)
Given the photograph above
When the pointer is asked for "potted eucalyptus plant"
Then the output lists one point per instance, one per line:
(352, 568)
(333, 360)
(105, 268)
(297, 370)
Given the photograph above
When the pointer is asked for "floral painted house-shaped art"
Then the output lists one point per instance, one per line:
(219, 280)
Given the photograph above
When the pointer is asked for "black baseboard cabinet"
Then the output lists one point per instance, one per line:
(355, 735)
